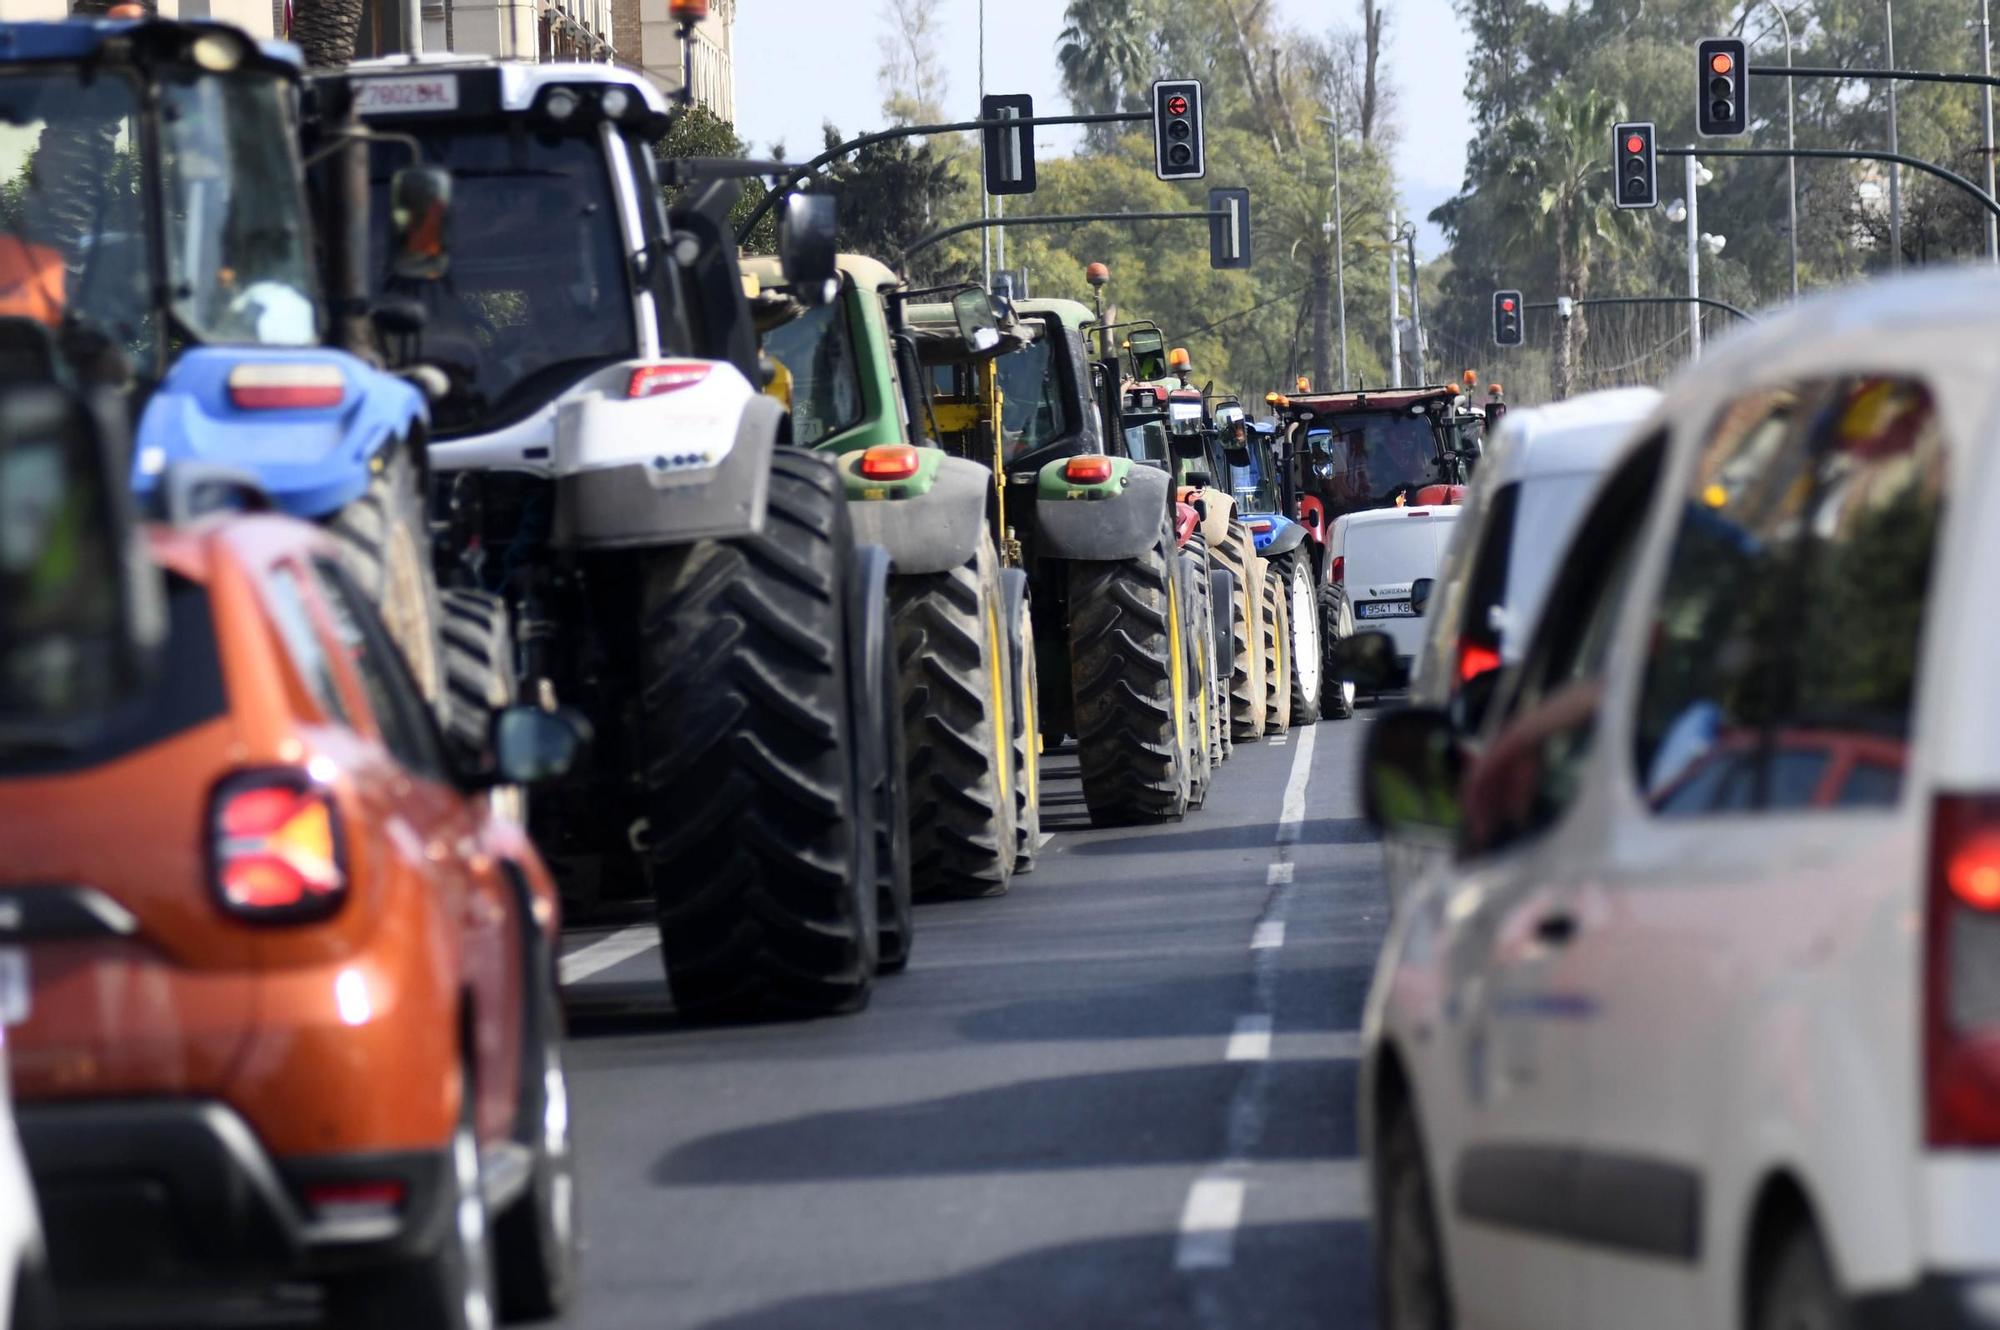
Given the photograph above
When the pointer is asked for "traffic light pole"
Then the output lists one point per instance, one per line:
(1056, 219)
(1986, 200)
(799, 174)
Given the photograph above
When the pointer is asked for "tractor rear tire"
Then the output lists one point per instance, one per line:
(765, 889)
(385, 545)
(1024, 702)
(480, 678)
(1246, 669)
(1336, 622)
(951, 651)
(1302, 613)
(1128, 680)
(1198, 646)
(1277, 652)
(1215, 701)
(1222, 608)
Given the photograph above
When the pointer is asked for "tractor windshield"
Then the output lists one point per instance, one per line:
(536, 294)
(817, 350)
(72, 219)
(1365, 459)
(1032, 397)
(1256, 485)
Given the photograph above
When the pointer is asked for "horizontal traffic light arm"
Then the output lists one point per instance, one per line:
(1850, 155)
(1057, 219)
(1648, 300)
(799, 174)
(1878, 75)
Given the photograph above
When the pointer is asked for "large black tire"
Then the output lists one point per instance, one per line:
(480, 678)
(1302, 614)
(951, 650)
(886, 770)
(1796, 1289)
(1023, 703)
(1198, 646)
(759, 857)
(385, 545)
(1128, 681)
(1412, 1290)
(1222, 610)
(1215, 700)
(534, 1239)
(450, 1287)
(1246, 660)
(1277, 653)
(1336, 622)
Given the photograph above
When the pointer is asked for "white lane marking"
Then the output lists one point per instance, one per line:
(1278, 740)
(606, 952)
(1277, 875)
(1344, 1044)
(1208, 1224)
(1047, 836)
(1250, 1041)
(1293, 811)
(1268, 935)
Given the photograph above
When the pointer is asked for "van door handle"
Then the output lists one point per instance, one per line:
(1556, 928)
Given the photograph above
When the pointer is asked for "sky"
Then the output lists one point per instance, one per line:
(802, 62)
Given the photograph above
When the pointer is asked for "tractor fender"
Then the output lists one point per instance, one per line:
(1217, 508)
(1286, 536)
(930, 531)
(657, 500)
(1013, 590)
(1116, 522)
(868, 647)
(312, 460)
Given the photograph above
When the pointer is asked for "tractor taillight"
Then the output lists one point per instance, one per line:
(889, 461)
(1089, 469)
(667, 377)
(276, 847)
(286, 387)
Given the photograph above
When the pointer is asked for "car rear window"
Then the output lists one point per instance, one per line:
(1550, 508)
(185, 690)
(1395, 551)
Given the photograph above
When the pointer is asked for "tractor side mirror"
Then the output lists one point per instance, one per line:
(82, 607)
(419, 206)
(808, 242)
(972, 309)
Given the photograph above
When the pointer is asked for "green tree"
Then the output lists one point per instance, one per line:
(700, 132)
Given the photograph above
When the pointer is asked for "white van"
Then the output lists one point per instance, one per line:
(1698, 1024)
(1377, 558)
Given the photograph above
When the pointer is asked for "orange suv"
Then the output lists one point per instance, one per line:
(290, 1006)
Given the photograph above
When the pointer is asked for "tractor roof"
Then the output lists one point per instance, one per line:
(1368, 399)
(935, 328)
(866, 273)
(1075, 315)
(521, 81)
(77, 39)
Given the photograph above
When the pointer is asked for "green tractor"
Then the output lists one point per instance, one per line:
(962, 631)
(1118, 616)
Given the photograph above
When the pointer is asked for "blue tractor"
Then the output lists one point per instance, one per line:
(1258, 484)
(157, 241)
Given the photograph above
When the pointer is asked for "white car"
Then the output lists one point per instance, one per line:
(1699, 1024)
(1377, 557)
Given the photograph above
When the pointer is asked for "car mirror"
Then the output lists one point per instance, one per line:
(1200, 480)
(82, 607)
(419, 205)
(1369, 660)
(972, 310)
(531, 745)
(808, 236)
(1472, 700)
(1420, 594)
(1410, 773)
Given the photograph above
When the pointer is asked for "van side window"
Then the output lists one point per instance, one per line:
(400, 712)
(286, 599)
(1786, 638)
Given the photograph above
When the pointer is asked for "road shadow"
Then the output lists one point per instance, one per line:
(1186, 1005)
(1306, 1273)
(1157, 1115)
(1179, 837)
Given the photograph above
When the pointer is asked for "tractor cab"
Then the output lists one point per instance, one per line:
(1375, 449)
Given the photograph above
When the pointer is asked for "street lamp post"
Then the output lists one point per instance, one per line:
(1986, 96)
(1895, 171)
(1339, 256)
(1791, 141)
(1416, 305)
(1395, 312)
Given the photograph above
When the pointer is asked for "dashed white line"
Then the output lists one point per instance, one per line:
(1250, 1041)
(1278, 741)
(1268, 935)
(1047, 836)
(607, 952)
(1208, 1224)
(1293, 811)
(1277, 875)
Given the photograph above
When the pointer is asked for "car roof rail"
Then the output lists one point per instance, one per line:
(190, 491)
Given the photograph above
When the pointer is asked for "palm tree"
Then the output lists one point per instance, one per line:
(1108, 51)
(1559, 150)
(327, 30)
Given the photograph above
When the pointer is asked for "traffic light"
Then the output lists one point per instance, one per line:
(1229, 233)
(1723, 108)
(1506, 318)
(1177, 130)
(1637, 170)
(1010, 153)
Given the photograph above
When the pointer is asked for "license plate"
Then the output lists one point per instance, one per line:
(14, 989)
(1386, 609)
(425, 92)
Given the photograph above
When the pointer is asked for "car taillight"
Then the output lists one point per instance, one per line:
(286, 387)
(668, 377)
(276, 847)
(1089, 469)
(889, 461)
(1260, 526)
(1340, 570)
(355, 1200)
(1475, 660)
(1961, 984)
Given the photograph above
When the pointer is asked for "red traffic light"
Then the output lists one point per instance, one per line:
(1507, 306)
(1177, 105)
(1633, 143)
(1721, 62)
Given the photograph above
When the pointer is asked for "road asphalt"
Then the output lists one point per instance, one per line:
(1120, 1095)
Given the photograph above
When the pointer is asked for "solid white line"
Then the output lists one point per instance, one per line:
(1294, 808)
(1047, 836)
(1208, 1224)
(1269, 935)
(1250, 1041)
(606, 952)
(1277, 875)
